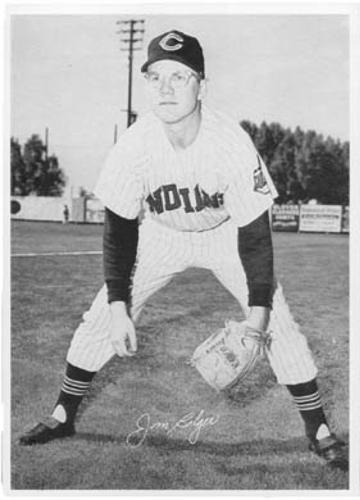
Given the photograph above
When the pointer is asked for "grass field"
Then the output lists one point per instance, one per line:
(256, 441)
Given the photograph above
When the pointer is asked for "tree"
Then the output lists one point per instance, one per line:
(303, 165)
(282, 168)
(327, 177)
(34, 172)
(17, 168)
(250, 128)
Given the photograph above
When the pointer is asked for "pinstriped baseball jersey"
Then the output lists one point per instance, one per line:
(203, 192)
(220, 175)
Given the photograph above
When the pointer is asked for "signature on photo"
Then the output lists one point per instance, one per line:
(194, 422)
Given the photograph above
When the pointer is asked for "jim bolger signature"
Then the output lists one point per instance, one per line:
(191, 421)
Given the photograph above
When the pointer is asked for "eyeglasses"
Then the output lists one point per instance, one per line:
(177, 80)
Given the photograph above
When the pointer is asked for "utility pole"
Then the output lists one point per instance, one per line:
(134, 36)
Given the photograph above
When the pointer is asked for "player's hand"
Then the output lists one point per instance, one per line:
(259, 318)
(122, 330)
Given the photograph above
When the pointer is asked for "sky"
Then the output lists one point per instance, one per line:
(68, 74)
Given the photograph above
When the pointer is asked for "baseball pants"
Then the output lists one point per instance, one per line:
(162, 254)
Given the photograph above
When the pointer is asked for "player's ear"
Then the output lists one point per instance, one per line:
(202, 89)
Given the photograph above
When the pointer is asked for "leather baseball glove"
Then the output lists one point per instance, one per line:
(230, 354)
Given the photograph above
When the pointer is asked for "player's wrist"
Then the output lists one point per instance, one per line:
(259, 317)
(118, 307)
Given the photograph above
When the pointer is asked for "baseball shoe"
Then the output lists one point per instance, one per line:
(47, 430)
(331, 449)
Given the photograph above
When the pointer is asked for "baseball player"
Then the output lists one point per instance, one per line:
(205, 193)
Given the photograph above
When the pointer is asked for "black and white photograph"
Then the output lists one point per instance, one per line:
(179, 242)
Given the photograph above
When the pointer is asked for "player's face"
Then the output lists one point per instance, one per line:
(174, 90)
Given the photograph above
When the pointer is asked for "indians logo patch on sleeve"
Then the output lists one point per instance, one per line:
(260, 184)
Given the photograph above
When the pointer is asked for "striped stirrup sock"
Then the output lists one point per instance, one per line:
(74, 387)
(307, 400)
(307, 403)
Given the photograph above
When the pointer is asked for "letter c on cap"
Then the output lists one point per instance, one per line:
(171, 36)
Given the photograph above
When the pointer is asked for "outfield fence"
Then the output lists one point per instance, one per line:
(289, 218)
(40, 208)
(311, 218)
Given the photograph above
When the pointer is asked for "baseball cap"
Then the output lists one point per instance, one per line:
(177, 46)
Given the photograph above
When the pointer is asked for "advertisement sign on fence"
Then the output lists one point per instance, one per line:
(285, 218)
(320, 218)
